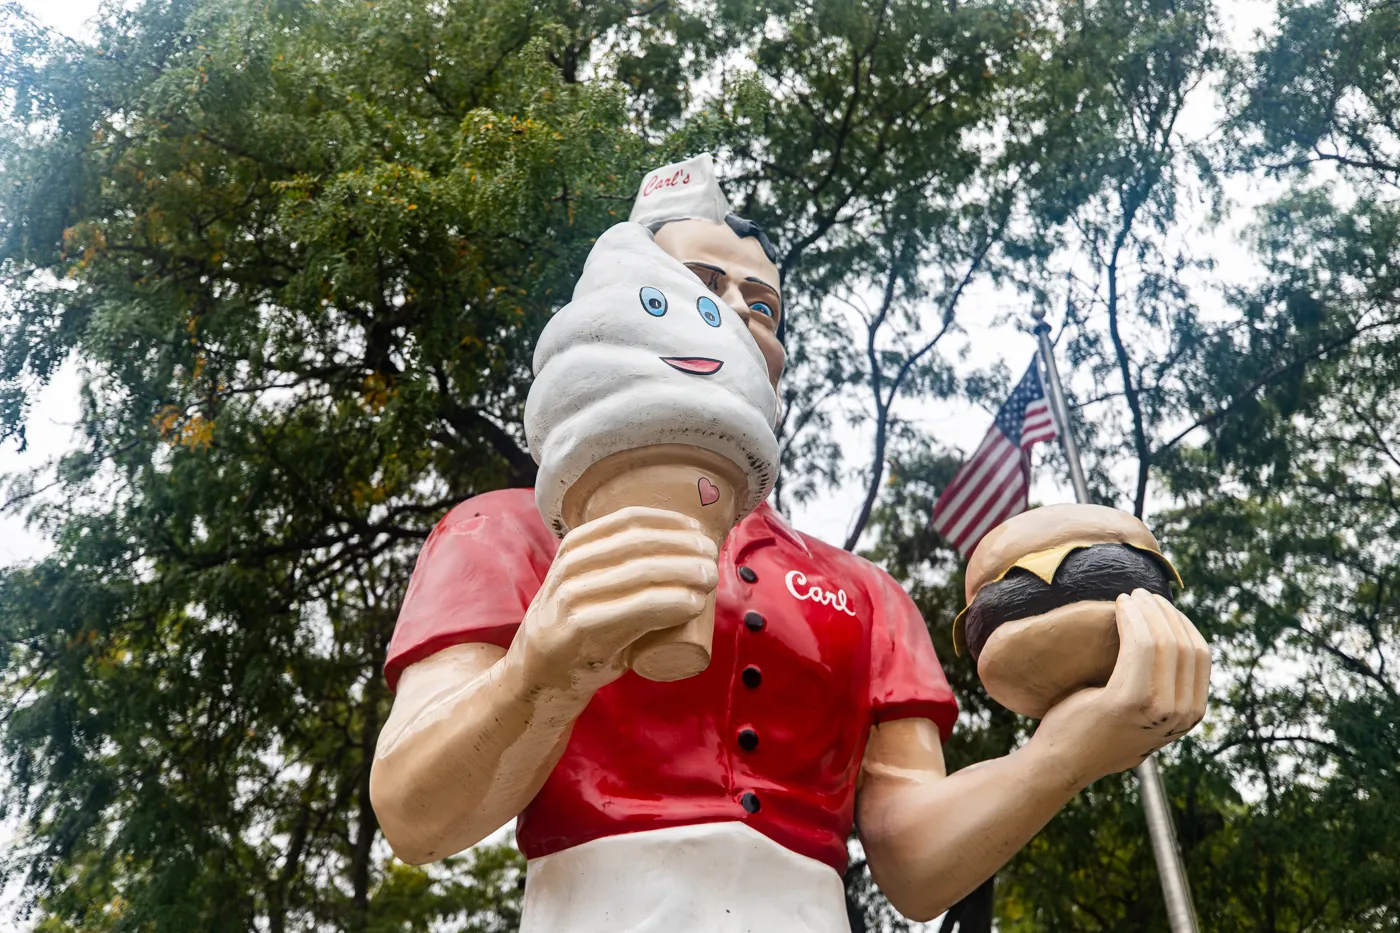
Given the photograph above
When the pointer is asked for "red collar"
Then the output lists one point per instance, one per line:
(762, 527)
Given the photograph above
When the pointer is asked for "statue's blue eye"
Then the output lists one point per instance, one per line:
(653, 301)
(762, 308)
(708, 310)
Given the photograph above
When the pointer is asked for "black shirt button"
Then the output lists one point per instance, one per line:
(750, 802)
(752, 677)
(747, 575)
(748, 739)
(754, 621)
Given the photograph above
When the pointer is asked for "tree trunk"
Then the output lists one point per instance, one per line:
(368, 824)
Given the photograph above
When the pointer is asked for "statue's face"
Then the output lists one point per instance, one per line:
(734, 268)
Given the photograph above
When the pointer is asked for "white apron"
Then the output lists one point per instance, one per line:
(708, 878)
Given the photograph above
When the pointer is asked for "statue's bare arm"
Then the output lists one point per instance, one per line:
(463, 751)
(475, 730)
(931, 837)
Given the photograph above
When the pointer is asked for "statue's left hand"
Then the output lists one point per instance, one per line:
(1156, 694)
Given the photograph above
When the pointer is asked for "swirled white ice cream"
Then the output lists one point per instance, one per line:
(644, 354)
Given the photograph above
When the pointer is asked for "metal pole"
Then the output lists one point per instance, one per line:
(1181, 912)
(1061, 410)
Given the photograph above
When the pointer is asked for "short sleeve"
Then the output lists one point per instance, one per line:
(906, 680)
(475, 578)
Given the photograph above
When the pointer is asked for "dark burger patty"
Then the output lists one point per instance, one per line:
(1100, 572)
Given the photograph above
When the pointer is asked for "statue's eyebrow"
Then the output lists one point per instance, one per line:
(758, 281)
(706, 265)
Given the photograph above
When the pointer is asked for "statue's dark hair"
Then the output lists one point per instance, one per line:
(743, 227)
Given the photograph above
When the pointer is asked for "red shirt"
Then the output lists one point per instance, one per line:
(812, 647)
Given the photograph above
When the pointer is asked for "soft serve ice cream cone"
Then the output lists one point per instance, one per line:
(649, 390)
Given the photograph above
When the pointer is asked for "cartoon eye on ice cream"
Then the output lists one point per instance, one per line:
(653, 301)
(709, 311)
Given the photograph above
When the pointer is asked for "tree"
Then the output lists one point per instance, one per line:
(1269, 436)
(301, 251)
(1106, 166)
(1287, 510)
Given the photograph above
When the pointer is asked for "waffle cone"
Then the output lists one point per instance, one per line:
(691, 480)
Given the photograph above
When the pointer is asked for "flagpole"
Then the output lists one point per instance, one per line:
(1181, 913)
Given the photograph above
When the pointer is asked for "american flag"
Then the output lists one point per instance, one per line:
(993, 485)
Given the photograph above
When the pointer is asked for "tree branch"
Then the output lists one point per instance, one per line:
(1263, 381)
(1131, 207)
(883, 403)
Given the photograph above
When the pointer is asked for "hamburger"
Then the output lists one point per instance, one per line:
(1041, 620)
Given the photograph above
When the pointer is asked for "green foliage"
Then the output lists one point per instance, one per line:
(1323, 91)
(863, 135)
(1289, 525)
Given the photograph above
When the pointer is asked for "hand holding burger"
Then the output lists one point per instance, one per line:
(1156, 694)
(1070, 618)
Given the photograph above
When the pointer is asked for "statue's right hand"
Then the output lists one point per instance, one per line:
(613, 580)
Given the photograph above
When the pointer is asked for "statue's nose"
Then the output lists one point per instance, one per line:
(734, 297)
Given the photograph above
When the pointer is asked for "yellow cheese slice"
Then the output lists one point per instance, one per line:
(1042, 563)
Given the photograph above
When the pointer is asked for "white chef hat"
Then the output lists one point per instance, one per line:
(685, 190)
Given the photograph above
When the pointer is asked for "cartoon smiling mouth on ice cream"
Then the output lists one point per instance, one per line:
(695, 365)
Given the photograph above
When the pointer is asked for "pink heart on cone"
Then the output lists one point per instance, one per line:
(709, 492)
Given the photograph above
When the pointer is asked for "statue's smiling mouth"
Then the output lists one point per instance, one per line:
(695, 365)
